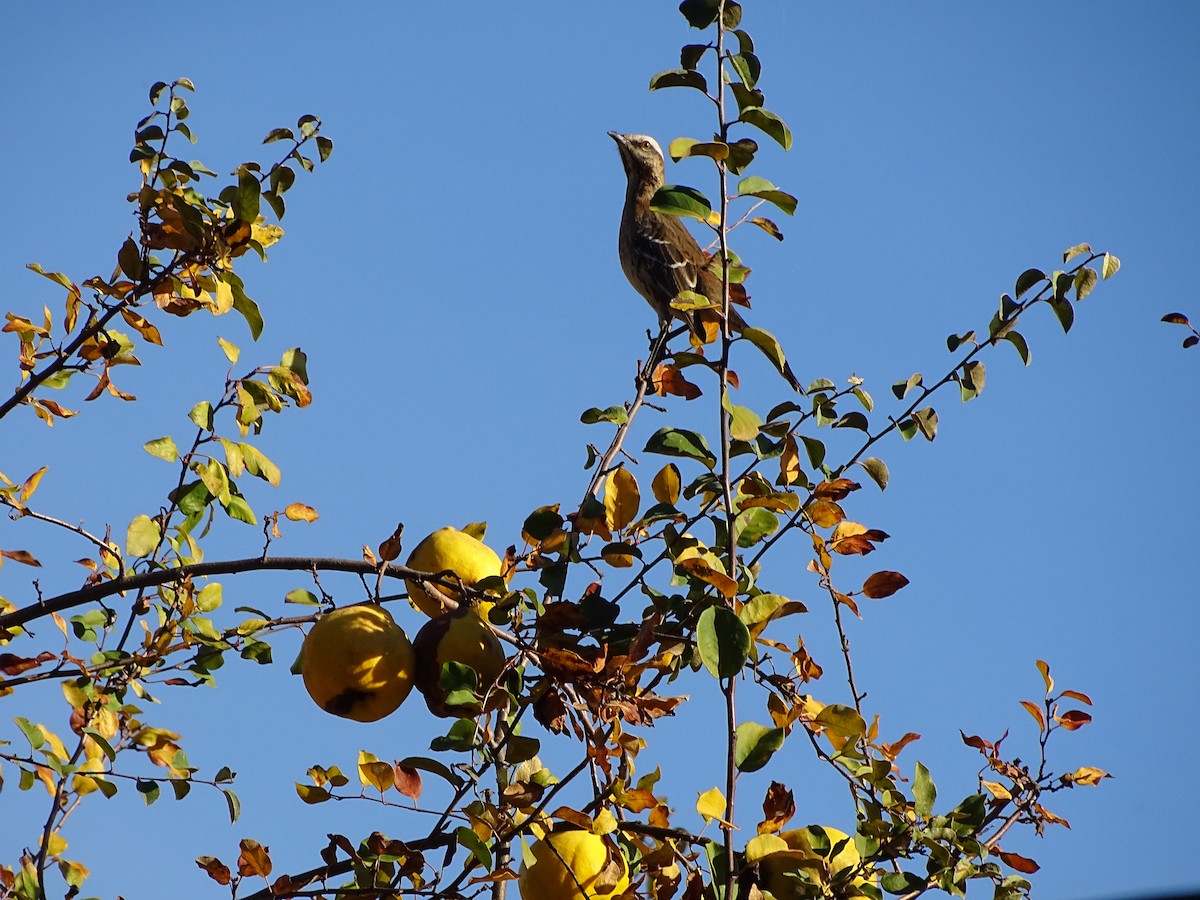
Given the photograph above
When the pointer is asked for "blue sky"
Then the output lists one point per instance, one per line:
(452, 275)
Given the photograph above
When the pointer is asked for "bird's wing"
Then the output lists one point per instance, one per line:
(667, 257)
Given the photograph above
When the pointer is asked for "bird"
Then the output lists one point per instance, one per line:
(658, 254)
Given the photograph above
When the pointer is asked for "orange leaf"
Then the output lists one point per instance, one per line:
(1076, 695)
(1044, 668)
(1034, 710)
(408, 781)
(837, 489)
(1020, 863)
(669, 380)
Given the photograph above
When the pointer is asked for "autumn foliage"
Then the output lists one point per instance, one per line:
(610, 609)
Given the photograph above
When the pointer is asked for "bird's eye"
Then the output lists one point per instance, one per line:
(645, 145)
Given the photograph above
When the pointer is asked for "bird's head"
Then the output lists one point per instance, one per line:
(641, 156)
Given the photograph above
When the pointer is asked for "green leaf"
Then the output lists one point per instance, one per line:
(924, 791)
(681, 442)
(769, 123)
(678, 200)
(691, 54)
(33, 733)
(618, 415)
(700, 13)
(1028, 279)
(474, 843)
(1017, 340)
(844, 721)
(768, 344)
(877, 469)
(142, 537)
(972, 379)
(1064, 312)
(853, 419)
(748, 67)
(753, 524)
(1078, 250)
(679, 78)
(149, 790)
(744, 423)
(202, 415)
(233, 804)
(163, 448)
(243, 304)
(433, 767)
(754, 186)
(815, 450)
(901, 882)
(301, 597)
(723, 641)
(245, 200)
(755, 745)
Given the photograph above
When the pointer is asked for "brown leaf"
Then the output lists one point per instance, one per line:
(779, 805)
(1020, 863)
(1076, 695)
(408, 781)
(390, 548)
(217, 870)
(21, 556)
(975, 741)
(11, 664)
(836, 489)
(255, 859)
(1073, 719)
(883, 584)
(551, 712)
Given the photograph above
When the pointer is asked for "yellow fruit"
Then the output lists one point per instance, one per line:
(781, 871)
(463, 637)
(450, 549)
(358, 663)
(573, 865)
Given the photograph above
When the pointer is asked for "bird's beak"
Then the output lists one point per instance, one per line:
(619, 138)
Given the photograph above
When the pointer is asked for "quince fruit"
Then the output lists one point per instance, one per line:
(449, 549)
(462, 637)
(573, 865)
(358, 663)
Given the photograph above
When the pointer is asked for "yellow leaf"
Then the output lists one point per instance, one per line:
(604, 823)
(1088, 775)
(374, 773)
(764, 845)
(997, 790)
(666, 484)
(31, 483)
(789, 461)
(231, 351)
(711, 805)
(621, 498)
(224, 300)
(300, 512)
